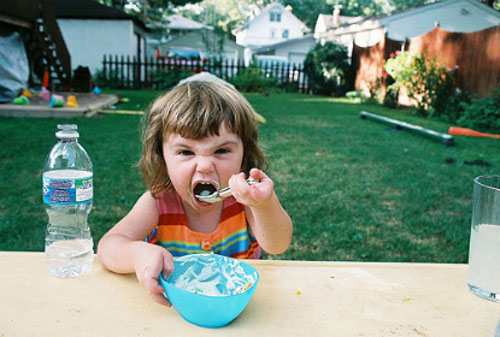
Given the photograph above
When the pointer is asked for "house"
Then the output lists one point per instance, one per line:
(462, 34)
(207, 43)
(92, 30)
(294, 50)
(326, 22)
(461, 16)
(273, 25)
(176, 26)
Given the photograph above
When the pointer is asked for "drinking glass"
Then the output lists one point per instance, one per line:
(484, 252)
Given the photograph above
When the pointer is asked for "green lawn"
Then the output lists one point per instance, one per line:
(355, 189)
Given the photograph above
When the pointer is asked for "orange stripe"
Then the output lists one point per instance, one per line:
(178, 233)
(234, 223)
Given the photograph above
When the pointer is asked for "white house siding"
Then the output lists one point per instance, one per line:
(259, 30)
(296, 52)
(88, 40)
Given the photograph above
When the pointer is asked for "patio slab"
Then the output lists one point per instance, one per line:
(89, 105)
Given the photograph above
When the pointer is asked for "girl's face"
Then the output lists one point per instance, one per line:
(197, 165)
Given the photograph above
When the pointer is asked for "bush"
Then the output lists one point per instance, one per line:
(102, 81)
(166, 79)
(428, 81)
(251, 79)
(482, 113)
(328, 70)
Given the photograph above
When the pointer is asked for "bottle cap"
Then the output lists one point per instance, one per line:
(67, 131)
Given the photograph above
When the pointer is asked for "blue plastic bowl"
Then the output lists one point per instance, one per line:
(204, 310)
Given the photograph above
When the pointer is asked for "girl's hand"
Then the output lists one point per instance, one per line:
(149, 261)
(255, 195)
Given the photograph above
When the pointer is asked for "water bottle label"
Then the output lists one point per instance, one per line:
(62, 191)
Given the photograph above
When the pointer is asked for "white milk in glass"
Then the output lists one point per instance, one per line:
(484, 258)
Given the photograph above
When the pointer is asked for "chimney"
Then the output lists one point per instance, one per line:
(336, 15)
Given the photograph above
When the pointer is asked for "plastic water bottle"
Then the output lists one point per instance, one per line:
(67, 195)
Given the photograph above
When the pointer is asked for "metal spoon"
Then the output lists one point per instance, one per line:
(221, 194)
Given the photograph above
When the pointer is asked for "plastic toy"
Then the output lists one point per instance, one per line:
(444, 138)
(27, 93)
(454, 130)
(45, 94)
(56, 101)
(21, 100)
(71, 102)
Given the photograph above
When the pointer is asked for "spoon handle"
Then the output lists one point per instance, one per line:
(226, 192)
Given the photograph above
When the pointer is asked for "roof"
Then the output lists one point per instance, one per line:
(196, 38)
(328, 19)
(267, 9)
(459, 16)
(179, 22)
(90, 9)
(284, 43)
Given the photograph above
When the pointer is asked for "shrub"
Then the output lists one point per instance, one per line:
(102, 81)
(482, 113)
(251, 79)
(428, 81)
(166, 79)
(328, 70)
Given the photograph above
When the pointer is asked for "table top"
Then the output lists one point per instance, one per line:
(293, 298)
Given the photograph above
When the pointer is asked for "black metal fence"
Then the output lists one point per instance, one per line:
(124, 72)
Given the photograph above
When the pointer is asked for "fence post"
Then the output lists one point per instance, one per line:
(134, 72)
(128, 71)
(122, 65)
(104, 67)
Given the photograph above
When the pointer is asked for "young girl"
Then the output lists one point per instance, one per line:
(200, 136)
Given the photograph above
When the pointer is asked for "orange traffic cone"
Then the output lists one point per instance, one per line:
(45, 82)
(453, 130)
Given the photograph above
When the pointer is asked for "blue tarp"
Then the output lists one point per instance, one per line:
(184, 53)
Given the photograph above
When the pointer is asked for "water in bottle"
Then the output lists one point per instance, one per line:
(67, 195)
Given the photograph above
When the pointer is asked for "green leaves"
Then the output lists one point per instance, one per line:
(328, 69)
(427, 80)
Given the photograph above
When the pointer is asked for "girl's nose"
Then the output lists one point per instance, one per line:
(204, 164)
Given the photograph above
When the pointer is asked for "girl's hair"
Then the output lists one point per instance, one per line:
(195, 110)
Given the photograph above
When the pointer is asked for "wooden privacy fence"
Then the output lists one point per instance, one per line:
(476, 55)
(124, 72)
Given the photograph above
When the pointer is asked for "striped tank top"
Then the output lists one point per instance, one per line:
(230, 238)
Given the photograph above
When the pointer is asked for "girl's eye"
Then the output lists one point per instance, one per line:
(222, 151)
(186, 153)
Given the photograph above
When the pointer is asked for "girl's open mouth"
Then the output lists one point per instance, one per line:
(205, 188)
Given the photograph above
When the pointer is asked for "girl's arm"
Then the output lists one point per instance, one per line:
(123, 249)
(268, 221)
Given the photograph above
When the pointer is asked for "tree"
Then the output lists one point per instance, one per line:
(328, 70)
(148, 10)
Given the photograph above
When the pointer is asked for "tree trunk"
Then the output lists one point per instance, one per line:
(144, 10)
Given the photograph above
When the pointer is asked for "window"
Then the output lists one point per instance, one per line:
(273, 33)
(274, 17)
(284, 34)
